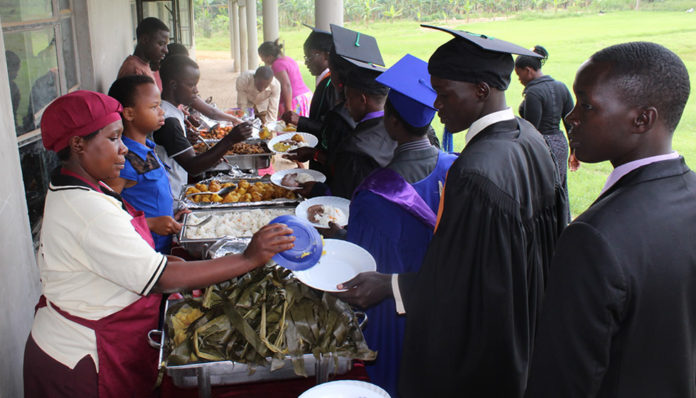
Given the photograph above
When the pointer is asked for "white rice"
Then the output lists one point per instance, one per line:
(301, 178)
(240, 223)
(331, 214)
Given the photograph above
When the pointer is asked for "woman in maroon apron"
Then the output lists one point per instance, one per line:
(100, 274)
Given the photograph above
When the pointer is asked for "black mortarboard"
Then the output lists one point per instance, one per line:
(472, 58)
(411, 93)
(318, 40)
(358, 48)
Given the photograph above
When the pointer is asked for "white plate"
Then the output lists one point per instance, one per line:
(310, 140)
(340, 262)
(277, 177)
(345, 389)
(334, 201)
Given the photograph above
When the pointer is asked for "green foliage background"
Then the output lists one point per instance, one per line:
(212, 16)
(570, 36)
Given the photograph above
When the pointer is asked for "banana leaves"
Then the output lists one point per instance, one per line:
(260, 319)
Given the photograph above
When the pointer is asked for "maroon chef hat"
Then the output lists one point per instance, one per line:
(77, 114)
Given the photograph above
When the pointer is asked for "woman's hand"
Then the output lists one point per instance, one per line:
(163, 225)
(180, 213)
(269, 240)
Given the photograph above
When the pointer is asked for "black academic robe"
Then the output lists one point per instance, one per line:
(619, 316)
(358, 154)
(323, 100)
(472, 309)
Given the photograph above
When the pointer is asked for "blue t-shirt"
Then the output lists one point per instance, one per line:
(151, 192)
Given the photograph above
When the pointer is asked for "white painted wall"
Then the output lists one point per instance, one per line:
(110, 37)
(19, 275)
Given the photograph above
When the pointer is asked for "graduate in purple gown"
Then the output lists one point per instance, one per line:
(393, 212)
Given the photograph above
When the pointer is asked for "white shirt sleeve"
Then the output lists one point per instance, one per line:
(397, 294)
(119, 254)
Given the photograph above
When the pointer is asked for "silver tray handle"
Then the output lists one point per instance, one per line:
(154, 337)
(363, 322)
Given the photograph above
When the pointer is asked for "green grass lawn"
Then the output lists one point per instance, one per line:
(570, 40)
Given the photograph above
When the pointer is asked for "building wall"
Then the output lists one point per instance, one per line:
(19, 283)
(110, 40)
(104, 40)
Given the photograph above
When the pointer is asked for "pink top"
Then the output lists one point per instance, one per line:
(289, 65)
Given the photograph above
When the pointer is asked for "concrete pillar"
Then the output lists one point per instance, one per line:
(253, 46)
(270, 20)
(19, 285)
(328, 12)
(233, 10)
(243, 32)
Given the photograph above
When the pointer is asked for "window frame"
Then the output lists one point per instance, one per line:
(59, 16)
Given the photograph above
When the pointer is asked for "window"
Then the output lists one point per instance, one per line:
(42, 65)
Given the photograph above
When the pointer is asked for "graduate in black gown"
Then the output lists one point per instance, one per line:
(472, 308)
(349, 155)
(316, 57)
(335, 124)
(619, 316)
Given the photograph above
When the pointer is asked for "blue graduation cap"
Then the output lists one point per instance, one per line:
(411, 93)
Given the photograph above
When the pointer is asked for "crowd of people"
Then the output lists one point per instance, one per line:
(484, 287)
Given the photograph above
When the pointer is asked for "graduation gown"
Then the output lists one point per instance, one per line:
(472, 308)
(619, 316)
(323, 100)
(358, 154)
(396, 229)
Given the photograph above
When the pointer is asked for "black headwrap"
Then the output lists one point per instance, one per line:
(461, 60)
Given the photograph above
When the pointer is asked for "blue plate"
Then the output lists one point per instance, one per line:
(308, 245)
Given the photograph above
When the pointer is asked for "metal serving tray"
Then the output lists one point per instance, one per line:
(234, 179)
(199, 247)
(243, 161)
(206, 374)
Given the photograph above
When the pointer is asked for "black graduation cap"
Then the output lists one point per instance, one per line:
(358, 48)
(486, 42)
(411, 93)
(318, 40)
(472, 57)
(317, 30)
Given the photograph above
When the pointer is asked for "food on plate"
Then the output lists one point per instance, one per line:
(289, 127)
(244, 192)
(237, 223)
(295, 180)
(323, 214)
(260, 318)
(296, 141)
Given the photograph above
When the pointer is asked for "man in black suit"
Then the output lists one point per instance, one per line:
(619, 315)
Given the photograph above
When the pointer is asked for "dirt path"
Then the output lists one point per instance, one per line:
(218, 80)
